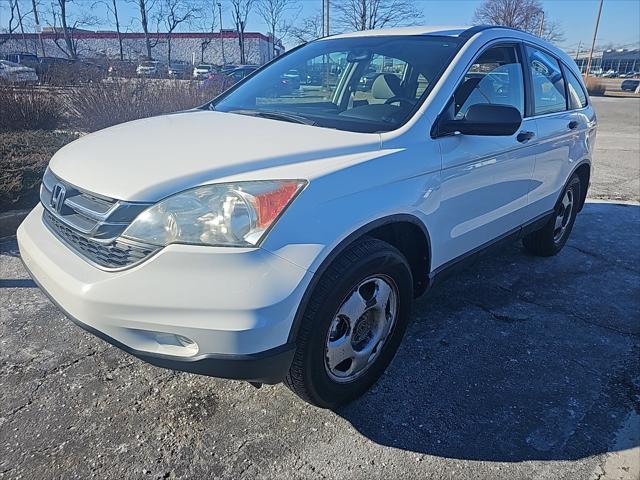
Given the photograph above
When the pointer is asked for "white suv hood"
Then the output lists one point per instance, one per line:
(146, 160)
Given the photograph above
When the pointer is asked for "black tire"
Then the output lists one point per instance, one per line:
(308, 376)
(548, 241)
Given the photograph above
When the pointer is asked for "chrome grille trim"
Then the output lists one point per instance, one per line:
(92, 224)
(119, 255)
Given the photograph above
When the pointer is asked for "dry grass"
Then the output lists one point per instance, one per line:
(23, 158)
(595, 86)
(29, 109)
(30, 117)
(101, 105)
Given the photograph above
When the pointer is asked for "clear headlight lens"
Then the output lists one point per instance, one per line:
(226, 214)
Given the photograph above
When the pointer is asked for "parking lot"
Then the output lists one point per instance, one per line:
(519, 367)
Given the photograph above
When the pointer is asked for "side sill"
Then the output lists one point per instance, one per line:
(463, 261)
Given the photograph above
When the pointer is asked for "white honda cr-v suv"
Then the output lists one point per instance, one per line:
(291, 249)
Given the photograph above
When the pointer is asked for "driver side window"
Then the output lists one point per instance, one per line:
(494, 78)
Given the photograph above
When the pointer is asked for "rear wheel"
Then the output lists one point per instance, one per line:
(353, 324)
(550, 239)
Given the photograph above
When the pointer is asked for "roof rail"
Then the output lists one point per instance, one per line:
(470, 32)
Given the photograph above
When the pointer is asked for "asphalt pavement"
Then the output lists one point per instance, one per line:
(519, 367)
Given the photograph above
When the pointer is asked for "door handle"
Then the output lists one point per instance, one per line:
(573, 125)
(525, 136)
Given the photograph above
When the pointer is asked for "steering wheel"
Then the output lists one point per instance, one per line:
(400, 100)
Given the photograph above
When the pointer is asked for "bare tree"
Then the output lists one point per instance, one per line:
(112, 9)
(174, 13)
(527, 15)
(68, 26)
(308, 29)
(371, 14)
(20, 22)
(62, 15)
(13, 25)
(272, 12)
(240, 10)
(145, 7)
(208, 23)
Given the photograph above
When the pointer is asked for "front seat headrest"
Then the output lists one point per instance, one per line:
(385, 86)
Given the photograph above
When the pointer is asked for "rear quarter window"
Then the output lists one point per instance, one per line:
(577, 97)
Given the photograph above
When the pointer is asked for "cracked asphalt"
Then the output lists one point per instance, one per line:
(517, 367)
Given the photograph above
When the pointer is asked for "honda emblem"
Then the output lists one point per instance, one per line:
(57, 197)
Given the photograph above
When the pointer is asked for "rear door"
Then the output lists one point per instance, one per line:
(486, 179)
(558, 130)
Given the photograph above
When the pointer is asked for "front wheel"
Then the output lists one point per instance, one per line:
(352, 325)
(550, 239)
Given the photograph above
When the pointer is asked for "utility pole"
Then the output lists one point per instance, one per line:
(328, 24)
(325, 18)
(578, 54)
(224, 61)
(38, 27)
(541, 32)
(593, 44)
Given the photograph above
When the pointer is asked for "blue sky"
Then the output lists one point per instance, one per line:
(620, 22)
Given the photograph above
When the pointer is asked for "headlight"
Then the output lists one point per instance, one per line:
(226, 214)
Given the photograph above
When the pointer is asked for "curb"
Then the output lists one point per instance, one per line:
(11, 220)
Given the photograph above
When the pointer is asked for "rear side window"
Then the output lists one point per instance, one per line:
(577, 97)
(495, 78)
(547, 82)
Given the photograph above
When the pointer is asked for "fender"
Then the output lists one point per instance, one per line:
(341, 247)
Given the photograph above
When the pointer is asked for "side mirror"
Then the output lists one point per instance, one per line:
(484, 119)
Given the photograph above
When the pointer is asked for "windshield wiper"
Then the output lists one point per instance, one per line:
(284, 116)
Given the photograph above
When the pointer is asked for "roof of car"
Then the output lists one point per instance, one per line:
(449, 31)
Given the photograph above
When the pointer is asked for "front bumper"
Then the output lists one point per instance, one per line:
(224, 312)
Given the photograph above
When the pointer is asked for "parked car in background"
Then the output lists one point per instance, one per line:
(150, 68)
(14, 73)
(179, 70)
(292, 77)
(24, 59)
(629, 85)
(228, 68)
(293, 252)
(64, 71)
(202, 71)
(239, 73)
(121, 69)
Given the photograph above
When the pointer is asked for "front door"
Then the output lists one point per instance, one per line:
(485, 179)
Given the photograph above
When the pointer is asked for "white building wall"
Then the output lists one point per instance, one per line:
(257, 50)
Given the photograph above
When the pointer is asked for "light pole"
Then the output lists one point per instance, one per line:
(224, 62)
(38, 28)
(593, 44)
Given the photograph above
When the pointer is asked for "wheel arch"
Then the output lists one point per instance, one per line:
(406, 232)
(583, 171)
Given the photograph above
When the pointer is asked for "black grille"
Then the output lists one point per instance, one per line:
(114, 255)
(91, 224)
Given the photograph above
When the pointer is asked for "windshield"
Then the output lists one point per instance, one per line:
(360, 84)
